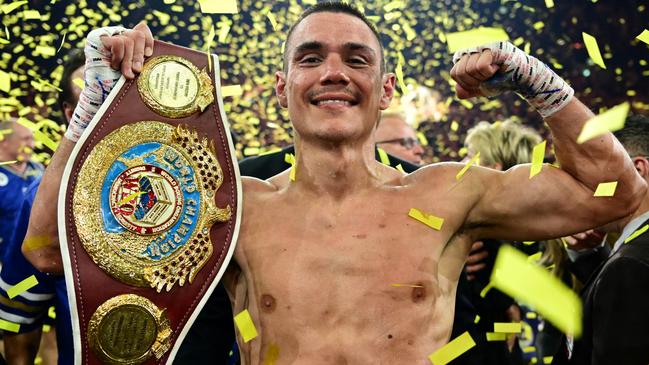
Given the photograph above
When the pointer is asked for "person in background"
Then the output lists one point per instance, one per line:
(30, 309)
(17, 172)
(397, 138)
(501, 146)
(615, 296)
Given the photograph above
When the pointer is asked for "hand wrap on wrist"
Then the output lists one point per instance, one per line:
(525, 75)
(99, 78)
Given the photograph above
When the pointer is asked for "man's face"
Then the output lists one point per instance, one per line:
(333, 88)
(397, 138)
(19, 144)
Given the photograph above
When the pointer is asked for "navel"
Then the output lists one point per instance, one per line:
(267, 303)
(418, 293)
(382, 225)
(360, 236)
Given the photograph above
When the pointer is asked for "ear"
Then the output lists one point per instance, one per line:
(387, 92)
(280, 88)
(642, 166)
(67, 111)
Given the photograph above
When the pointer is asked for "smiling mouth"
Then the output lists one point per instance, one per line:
(332, 102)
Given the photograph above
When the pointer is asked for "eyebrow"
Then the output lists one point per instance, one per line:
(316, 46)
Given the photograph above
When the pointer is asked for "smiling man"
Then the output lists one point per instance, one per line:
(317, 257)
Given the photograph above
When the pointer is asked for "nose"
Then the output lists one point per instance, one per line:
(334, 72)
(418, 150)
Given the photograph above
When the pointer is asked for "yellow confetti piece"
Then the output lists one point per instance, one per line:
(31, 14)
(62, 42)
(44, 139)
(485, 290)
(549, 4)
(506, 327)
(406, 285)
(644, 36)
(637, 233)
(476, 37)
(422, 139)
(47, 328)
(528, 243)
(51, 312)
(218, 6)
(609, 121)
(223, 33)
(531, 284)
(400, 168)
(548, 359)
(3, 163)
(606, 189)
(80, 83)
(272, 354)
(466, 167)
(290, 158)
(455, 126)
(530, 315)
(430, 220)
(5, 81)
(538, 153)
(593, 50)
(22, 286)
(45, 50)
(410, 33)
(476, 319)
(492, 336)
(246, 327)
(232, 90)
(529, 349)
(35, 243)
(9, 326)
(535, 257)
(399, 72)
(272, 20)
(452, 350)
(383, 156)
(393, 5)
(8, 8)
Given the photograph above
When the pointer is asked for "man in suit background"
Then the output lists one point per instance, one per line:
(616, 296)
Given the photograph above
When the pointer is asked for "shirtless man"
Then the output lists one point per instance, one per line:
(316, 257)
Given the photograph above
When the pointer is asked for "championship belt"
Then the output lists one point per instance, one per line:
(149, 211)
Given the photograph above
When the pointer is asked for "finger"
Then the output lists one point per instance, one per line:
(463, 75)
(464, 93)
(138, 49)
(580, 236)
(477, 257)
(484, 68)
(116, 46)
(127, 62)
(475, 268)
(148, 37)
(476, 245)
(570, 240)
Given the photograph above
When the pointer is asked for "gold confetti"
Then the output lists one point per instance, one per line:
(5, 81)
(218, 6)
(549, 4)
(290, 158)
(538, 154)
(473, 38)
(272, 355)
(492, 336)
(593, 50)
(22, 287)
(383, 156)
(644, 36)
(232, 90)
(473, 160)
(609, 121)
(506, 327)
(9, 326)
(80, 83)
(245, 325)
(400, 168)
(531, 284)
(3, 163)
(452, 350)
(8, 8)
(31, 15)
(637, 233)
(606, 189)
(430, 220)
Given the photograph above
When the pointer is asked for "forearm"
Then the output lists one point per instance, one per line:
(601, 159)
(21, 348)
(41, 244)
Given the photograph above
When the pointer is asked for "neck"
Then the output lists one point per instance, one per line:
(338, 170)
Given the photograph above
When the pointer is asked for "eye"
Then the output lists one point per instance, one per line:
(357, 60)
(309, 59)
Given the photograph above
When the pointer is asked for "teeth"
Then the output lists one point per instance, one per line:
(333, 101)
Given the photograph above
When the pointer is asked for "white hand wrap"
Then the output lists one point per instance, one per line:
(526, 75)
(100, 79)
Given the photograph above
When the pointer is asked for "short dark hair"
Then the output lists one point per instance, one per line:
(74, 59)
(333, 7)
(635, 135)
